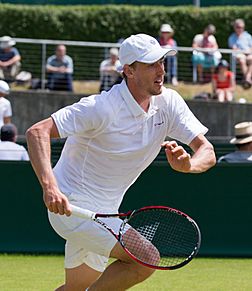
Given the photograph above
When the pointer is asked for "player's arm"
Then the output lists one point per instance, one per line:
(202, 159)
(39, 140)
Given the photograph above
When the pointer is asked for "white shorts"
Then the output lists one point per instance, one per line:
(86, 241)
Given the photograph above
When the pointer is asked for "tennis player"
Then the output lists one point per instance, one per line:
(111, 138)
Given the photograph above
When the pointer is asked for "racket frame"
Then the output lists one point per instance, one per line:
(83, 213)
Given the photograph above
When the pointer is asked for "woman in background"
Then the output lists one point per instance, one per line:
(223, 82)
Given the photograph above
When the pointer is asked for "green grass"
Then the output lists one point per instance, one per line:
(44, 273)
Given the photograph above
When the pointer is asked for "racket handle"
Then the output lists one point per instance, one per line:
(83, 213)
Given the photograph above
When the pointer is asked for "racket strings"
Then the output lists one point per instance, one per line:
(160, 237)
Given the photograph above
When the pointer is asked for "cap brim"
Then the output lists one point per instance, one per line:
(156, 55)
(241, 140)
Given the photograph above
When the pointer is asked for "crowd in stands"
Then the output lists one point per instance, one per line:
(205, 57)
(206, 60)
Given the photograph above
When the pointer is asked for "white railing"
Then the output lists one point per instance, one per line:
(87, 57)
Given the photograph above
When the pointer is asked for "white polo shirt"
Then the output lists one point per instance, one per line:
(111, 140)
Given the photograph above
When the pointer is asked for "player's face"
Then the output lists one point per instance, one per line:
(149, 78)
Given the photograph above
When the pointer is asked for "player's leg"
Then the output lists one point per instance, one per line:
(79, 278)
(122, 273)
(220, 95)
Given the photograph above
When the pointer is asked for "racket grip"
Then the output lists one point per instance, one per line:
(83, 213)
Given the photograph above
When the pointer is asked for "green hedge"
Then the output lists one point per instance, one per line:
(110, 22)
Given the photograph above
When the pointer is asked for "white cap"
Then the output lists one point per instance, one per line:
(6, 42)
(4, 87)
(142, 48)
(166, 28)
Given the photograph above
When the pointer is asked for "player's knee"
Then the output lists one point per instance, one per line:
(75, 286)
(142, 273)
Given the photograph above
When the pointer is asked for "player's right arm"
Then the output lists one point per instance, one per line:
(39, 140)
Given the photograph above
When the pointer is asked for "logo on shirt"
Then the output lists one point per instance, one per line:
(158, 123)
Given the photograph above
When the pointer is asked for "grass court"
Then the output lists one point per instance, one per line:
(44, 273)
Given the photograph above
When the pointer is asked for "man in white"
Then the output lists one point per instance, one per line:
(243, 143)
(9, 150)
(111, 139)
(5, 105)
(109, 74)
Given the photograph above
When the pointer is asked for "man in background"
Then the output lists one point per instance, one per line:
(5, 105)
(109, 74)
(60, 70)
(243, 142)
(241, 42)
(9, 150)
(9, 59)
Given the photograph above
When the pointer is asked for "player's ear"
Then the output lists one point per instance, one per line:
(128, 70)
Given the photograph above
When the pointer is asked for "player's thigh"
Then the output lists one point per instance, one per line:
(80, 278)
(118, 253)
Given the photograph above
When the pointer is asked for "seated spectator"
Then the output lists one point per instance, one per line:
(109, 74)
(166, 40)
(241, 42)
(5, 105)
(243, 142)
(60, 70)
(223, 82)
(9, 150)
(205, 58)
(9, 59)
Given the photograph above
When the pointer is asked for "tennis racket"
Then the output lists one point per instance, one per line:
(158, 237)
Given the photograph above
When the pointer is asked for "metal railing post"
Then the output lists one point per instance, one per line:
(43, 67)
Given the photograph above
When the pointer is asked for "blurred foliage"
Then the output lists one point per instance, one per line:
(108, 23)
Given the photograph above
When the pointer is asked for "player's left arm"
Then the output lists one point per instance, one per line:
(202, 159)
(204, 156)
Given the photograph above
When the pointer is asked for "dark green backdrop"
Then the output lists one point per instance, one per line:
(219, 200)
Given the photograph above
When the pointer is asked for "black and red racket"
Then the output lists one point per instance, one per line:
(158, 237)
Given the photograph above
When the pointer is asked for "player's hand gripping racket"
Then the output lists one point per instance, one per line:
(158, 237)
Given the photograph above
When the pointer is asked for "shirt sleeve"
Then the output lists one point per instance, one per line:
(8, 109)
(198, 39)
(86, 117)
(230, 41)
(25, 156)
(183, 125)
(15, 52)
(50, 60)
(70, 64)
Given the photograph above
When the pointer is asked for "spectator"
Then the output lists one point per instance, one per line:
(9, 150)
(9, 59)
(241, 42)
(109, 74)
(243, 142)
(223, 82)
(166, 40)
(203, 58)
(5, 105)
(60, 70)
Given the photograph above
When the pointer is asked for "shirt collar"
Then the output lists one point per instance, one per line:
(133, 106)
